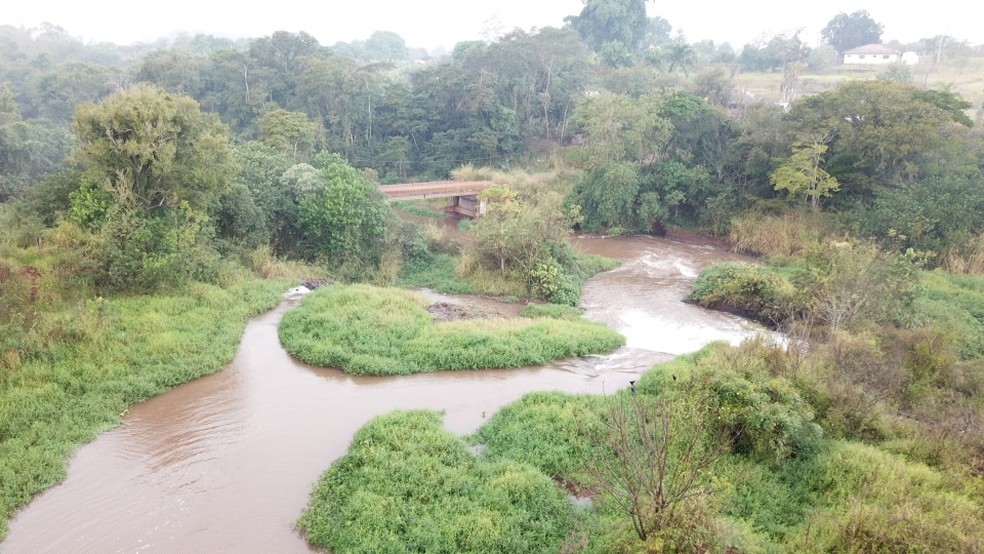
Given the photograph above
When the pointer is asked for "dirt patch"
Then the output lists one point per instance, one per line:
(315, 283)
(443, 311)
(576, 489)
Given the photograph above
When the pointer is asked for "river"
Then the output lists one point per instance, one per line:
(225, 463)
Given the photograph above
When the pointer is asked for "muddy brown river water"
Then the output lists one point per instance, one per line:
(225, 463)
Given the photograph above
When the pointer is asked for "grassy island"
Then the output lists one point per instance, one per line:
(367, 330)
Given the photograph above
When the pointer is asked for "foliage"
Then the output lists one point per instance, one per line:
(344, 220)
(881, 503)
(154, 150)
(291, 133)
(648, 161)
(801, 174)
(164, 164)
(751, 290)
(764, 418)
(854, 282)
(603, 22)
(528, 235)
(883, 133)
(368, 330)
(847, 31)
(262, 171)
(408, 485)
(28, 150)
(931, 218)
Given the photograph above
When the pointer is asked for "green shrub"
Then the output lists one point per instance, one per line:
(746, 289)
(408, 485)
(548, 430)
(765, 418)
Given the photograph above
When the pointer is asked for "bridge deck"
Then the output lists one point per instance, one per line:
(433, 189)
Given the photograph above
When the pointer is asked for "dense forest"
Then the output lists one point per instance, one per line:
(201, 174)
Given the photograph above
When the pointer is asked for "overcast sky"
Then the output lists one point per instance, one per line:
(429, 23)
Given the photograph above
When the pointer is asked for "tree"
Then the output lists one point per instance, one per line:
(289, 132)
(680, 55)
(154, 150)
(603, 21)
(882, 133)
(166, 165)
(662, 451)
(27, 149)
(527, 234)
(385, 46)
(657, 32)
(282, 57)
(344, 222)
(844, 31)
(261, 170)
(856, 282)
(802, 175)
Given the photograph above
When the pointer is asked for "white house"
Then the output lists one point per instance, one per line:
(876, 54)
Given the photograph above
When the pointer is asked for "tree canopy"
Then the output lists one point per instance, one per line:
(153, 149)
(846, 31)
(602, 22)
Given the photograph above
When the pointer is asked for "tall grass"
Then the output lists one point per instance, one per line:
(369, 330)
(93, 360)
(779, 237)
(436, 272)
(955, 303)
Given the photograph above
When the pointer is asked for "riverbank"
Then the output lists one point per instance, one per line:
(131, 349)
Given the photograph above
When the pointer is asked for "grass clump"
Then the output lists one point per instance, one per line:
(555, 311)
(367, 330)
(436, 272)
(408, 485)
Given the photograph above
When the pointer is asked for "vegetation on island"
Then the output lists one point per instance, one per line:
(153, 197)
(367, 330)
(728, 449)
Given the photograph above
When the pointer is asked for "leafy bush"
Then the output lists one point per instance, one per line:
(765, 418)
(548, 430)
(746, 289)
(408, 485)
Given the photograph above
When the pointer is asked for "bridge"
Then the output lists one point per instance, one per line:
(462, 195)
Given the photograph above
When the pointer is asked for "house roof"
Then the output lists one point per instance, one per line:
(872, 49)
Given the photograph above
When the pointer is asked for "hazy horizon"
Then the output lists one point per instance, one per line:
(442, 23)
